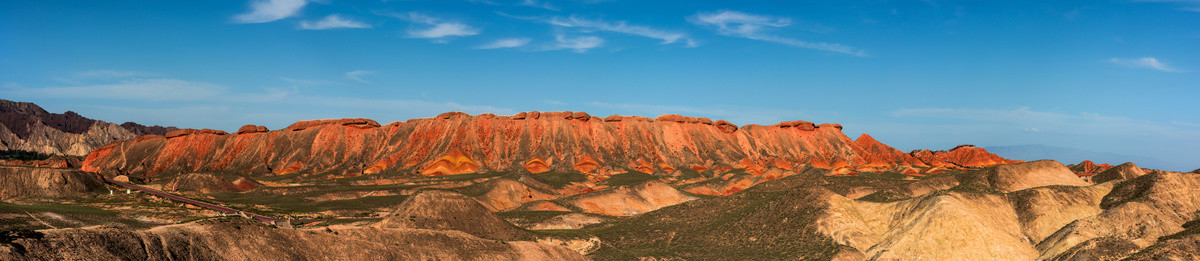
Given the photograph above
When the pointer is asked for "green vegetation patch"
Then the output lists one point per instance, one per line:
(17, 216)
(629, 179)
(22, 155)
(559, 179)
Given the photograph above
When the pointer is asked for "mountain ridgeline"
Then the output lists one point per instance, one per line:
(534, 142)
(27, 127)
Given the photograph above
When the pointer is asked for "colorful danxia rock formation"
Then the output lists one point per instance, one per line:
(457, 143)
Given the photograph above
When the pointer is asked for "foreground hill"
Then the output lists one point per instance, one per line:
(27, 127)
(1025, 211)
(534, 142)
(225, 239)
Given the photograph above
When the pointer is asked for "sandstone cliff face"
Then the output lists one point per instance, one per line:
(25, 126)
(457, 143)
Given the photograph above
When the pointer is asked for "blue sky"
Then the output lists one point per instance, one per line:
(1107, 76)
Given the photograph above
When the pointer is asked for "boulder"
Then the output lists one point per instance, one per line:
(613, 118)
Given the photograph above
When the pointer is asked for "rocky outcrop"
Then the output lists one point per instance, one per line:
(185, 132)
(444, 210)
(879, 155)
(1123, 171)
(26, 126)
(960, 156)
(1088, 168)
(355, 122)
(247, 240)
(26, 182)
(247, 129)
(457, 143)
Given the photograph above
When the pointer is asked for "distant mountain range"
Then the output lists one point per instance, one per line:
(1030, 152)
(27, 127)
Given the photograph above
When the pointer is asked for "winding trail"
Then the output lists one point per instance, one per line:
(226, 210)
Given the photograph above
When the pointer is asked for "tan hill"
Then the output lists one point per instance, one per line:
(1020, 176)
(28, 182)
(1123, 171)
(1026, 211)
(629, 200)
(445, 210)
(26, 126)
(245, 240)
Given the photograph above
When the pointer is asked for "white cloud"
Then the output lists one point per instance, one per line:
(578, 44)
(619, 27)
(437, 28)
(140, 89)
(505, 43)
(1144, 62)
(751, 26)
(357, 75)
(332, 22)
(262, 11)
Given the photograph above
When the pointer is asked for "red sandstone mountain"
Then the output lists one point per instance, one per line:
(1088, 168)
(457, 143)
(26, 126)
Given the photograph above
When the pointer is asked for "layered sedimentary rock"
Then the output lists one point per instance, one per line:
(457, 143)
(26, 126)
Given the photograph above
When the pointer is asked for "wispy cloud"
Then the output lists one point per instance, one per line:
(1190, 5)
(306, 82)
(357, 75)
(1144, 62)
(619, 27)
(111, 74)
(437, 28)
(138, 89)
(505, 43)
(333, 21)
(262, 11)
(539, 4)
(578, 44)
(755, 27)
(1026, 118)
